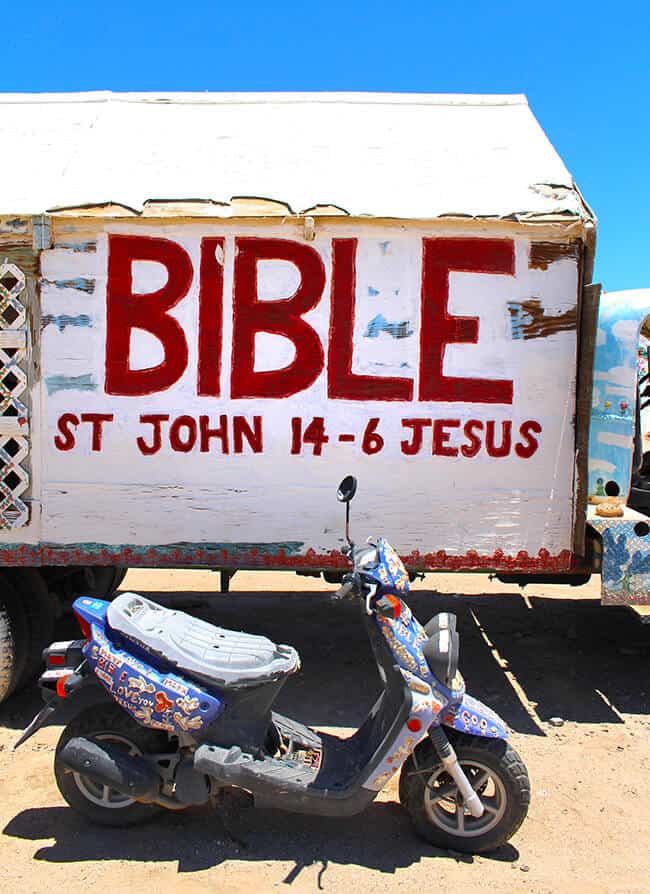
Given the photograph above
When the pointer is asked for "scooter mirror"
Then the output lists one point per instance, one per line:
(347, 489)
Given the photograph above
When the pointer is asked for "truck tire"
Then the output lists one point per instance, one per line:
(111, 579)
(69, 582)
(14, 638)
(101, 581)
(40, 609)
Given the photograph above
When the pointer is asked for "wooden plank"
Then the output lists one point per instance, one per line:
(11, 427)
(13, 338)
(584, 385)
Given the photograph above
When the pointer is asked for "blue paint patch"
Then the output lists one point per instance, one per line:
(373, 292)
(77, 246)
(626, 560)
(383, 247)
(16, 223)
(70, 383)
(63, 320)
(80, 284)
(519, 319)
(381, 324)
(614, 390)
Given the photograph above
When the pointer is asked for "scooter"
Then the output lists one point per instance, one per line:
(162, 710)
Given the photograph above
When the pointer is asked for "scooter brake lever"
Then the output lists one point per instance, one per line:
(369, 596)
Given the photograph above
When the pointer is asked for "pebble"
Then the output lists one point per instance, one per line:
(525, 868)
(556, 721)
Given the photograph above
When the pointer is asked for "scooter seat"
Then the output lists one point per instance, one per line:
(197, 648)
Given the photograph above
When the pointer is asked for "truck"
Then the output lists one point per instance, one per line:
(213, 306)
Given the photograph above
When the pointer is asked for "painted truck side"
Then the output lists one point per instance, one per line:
(184, 380)
(203, 384)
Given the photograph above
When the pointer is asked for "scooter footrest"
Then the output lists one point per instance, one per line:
(232, 766)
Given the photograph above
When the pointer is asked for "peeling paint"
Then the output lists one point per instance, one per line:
(372, 292)
(528, 319)
(80, 283)
(77, 246)
(544, 253)
(70, 383)
(380, 324)
(14, 225)
(63, 320)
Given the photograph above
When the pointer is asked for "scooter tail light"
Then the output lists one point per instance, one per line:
(60, 686)
(56, 660)
(85, 626)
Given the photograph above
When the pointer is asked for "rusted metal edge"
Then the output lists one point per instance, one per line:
(265, 206)
(588, 306)
(270, 556)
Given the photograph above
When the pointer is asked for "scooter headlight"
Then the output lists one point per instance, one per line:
(442, 648)
(366, 558)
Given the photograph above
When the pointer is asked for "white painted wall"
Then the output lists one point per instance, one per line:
(423, 503)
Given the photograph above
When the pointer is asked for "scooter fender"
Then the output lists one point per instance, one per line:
(88, 693)
(471, 716)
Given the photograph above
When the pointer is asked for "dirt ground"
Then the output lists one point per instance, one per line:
(552, 652)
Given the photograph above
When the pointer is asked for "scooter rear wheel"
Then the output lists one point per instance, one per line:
(101, 804)
(435, 806)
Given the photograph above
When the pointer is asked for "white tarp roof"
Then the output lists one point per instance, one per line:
(385, 155)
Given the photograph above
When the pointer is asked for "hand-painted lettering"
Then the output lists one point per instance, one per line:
(129, 311)
(342, 383)
(439, 328)
(126, 311)
(282, 317)
(66, 425)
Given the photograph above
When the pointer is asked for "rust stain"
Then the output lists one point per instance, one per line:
(544, 253)
(528, 319)
(264, 555)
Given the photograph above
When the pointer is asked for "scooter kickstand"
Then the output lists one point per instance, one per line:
(449, 761)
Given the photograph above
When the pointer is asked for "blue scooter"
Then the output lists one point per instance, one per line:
(162, 710)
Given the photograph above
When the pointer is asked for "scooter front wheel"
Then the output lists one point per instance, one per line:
(99, 803)
(497, 774)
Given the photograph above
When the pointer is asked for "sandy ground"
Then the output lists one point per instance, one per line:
(554, 652)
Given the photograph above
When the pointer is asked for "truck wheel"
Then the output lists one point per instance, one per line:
(435, 806)
(40, 609)
(14, 638)
(99, 803)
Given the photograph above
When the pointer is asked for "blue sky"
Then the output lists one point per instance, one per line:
(584, 68)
